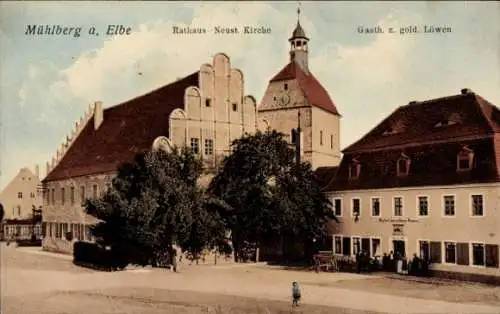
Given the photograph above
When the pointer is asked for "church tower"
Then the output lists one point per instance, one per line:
(295, 97)
(298, 46)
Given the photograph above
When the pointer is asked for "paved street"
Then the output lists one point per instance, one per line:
(36, 282)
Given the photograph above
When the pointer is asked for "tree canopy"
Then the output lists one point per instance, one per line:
(153, 203)
(270, 194)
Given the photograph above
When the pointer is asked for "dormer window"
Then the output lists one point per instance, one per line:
(464, 159)
(396, 127)
(451, 119)
(403, 165)
(354, 169)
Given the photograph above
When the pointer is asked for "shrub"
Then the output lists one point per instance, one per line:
(29, 242)
(94, 256)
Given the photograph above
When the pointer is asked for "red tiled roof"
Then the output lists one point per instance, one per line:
(313, 91)
(127, 129)
(325, 174)
(432, 149)
(430, 165)
(415, 123)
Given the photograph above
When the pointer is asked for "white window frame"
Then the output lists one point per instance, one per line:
(471, 252)
(394, 206)
(443, 206)
(371, 246)
(418, 247)
(471, 207)
(352, 244)
(443, 249)
(341, 205)
(341, 244)
(417, 199)
(352, 206)
(379, 206)
(193, 141)
(208, 143)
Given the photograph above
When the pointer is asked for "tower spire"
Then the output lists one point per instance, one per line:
(298, 12)
(299, 44)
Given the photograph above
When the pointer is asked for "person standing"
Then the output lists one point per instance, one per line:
(174, 258)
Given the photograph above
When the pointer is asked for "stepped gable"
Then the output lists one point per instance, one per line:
(431, 134)
(314, 92)
(127, 129)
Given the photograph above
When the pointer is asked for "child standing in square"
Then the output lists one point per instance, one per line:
(295, 293)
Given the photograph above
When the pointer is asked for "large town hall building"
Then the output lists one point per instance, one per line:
(205, 111)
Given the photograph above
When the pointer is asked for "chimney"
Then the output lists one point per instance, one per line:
(98, 114)
(465, 91)
(37, 171)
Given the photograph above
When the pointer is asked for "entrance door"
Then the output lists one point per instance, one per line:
(399, 248)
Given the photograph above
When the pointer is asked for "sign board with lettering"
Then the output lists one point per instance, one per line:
(398, 229)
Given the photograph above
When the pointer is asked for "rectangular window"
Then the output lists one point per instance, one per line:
(209, 147)
(375, 207)
(337, 207)
(449, 205)
(423, 206)
(82, 194)
(32, 195)
(338, 245)
(450, 253)
(195, 145)
(72, 195)
(356, 207)
(365, 245)
(235, 106)
(320, 137)
(356, 245)
(436, 252)
(208, 102)
(478, 254)
(424, 250)
(94, 191)
(63, 196)
(53, 196)
(398, 206)
(463, 254)
(331, 141)
(477, 205)
(19, 194)
(491, 251)
(376, 250)
(346, 245)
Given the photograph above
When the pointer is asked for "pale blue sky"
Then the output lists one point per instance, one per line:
(48, 81)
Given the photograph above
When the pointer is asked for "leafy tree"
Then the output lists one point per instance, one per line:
(153, 202)
(270, 195)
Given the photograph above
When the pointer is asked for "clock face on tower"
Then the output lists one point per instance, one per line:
(283, 99)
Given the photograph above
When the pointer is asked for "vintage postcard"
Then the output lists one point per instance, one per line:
(249, 157)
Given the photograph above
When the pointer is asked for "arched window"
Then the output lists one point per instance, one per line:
(354, 169)
(403, 165)
(464, 159)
